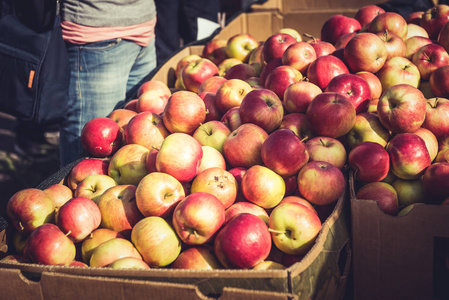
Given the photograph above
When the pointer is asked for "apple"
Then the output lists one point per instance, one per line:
(184, 61)
(226, 64)
(322, 48)
(122, 116)
(437, 117)
(230, 94)
(293, 32)
(367, 128)
(212, 112)
(217, 182)
(415, 30)
(337, 26)
(375, 86)
(180, 156)
(242, 147)
(213, 134)
(275, 45)
(395, 45)
(279, 79)
(369, 161)
(442, 156)
(15, 258)
(439, 82)
(48, 245)
(402, 108)
(232, 118)
(240, 71)
(146, 129)
(153, 101)
(262, 186)
(435, 180)
(97, 237)
(246, 207)
(184, 112)
(215, 50)
(434, 18)
(408, 155)
(84, 168)
(389, 21)
(240, 46)
(284, 153)
(156, 241)
(299, 55)
(29, 208)
(101, 137)
(243, 242)
(355, 88)
(324, 68)
(399, 70)
(321, 183)
(196, 258)
(263, 108)
(128, 164)
(211, 84)
(59, 194)
(211, 158)
(93, 186)
(128, 263)
(409, 191)
(118, 207)
(367, 13)
(300, 200)
(111, 250)
(365, 52)
(413, 44)
(297, 122)
(131, 105)
(372, 106)
(327, 149)
(383, 193)
(330, 114)
(198, 217)
(18, 241)
(153, 85)
(294, 228)
(196, 72)
(443, 37)
(428, 58)
(414, 17)
(78, 217)
(256, 58)
(298, 96)
(267, 68)
(430, 140)
(342, 41)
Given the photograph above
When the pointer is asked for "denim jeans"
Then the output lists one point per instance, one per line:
(103, 76)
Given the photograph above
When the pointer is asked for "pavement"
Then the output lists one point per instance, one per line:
(18, 172)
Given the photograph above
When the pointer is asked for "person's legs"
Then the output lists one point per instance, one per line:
(167, 35)
(99, 83)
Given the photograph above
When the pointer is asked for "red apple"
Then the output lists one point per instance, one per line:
(365, 52)
(276, 44)
(355, 88)
(84, 168)
(375, 86)
(196, 258)
(342, 42)
(243, 242)
(330, 114)
(215, 50)
(300, 200)
(413, 44)
(324, 68)
(212, 112)
(430, 140)
(232, 118)
(437, 117)
(435, 180)
(402, 108)
(146, 129)
(408, 155)
(242, 147)
(29, 208)
(414, 17)
(240, 46)
(327, 149)
(434, 18)
(337, 26)
(395, 45)
(196, 72)
(369, 161)
(180, 156)
(298, 96)
(48, 245)
(224, 66)
(101, 137)
(119, 211)
(128, 165)
(322, 48)
(389, 21)
(246, 207)
(122, 116)
(267, 68)
(262, 107)
(198, 217)
(439, 82)
(281, 78)
(153, 101)
(284, 153)
(59, 194)
(78, 217)
(321, 183)
(443, 37)
(297, 123)
(93, 186)
(218, 182)
(428, 58)
(131, 105)
(153, 85)
(211, 84)
(299, 56)
(383, 193)
(367, 13)
(240, 71)
(230, 94)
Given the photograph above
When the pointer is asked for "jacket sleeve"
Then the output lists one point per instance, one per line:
(39, 15)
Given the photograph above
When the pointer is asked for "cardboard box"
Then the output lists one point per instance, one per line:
(402, 257)
(321, 274)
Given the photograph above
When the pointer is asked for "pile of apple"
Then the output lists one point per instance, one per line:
(239, 164)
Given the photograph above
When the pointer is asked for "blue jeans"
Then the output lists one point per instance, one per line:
(103, 76)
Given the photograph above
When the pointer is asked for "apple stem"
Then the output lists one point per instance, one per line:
(68, 233)
(21, 226)
(309, 36)
(305, 138)
(276, 231)
(205, 129)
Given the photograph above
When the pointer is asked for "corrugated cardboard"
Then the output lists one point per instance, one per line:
(399, 257)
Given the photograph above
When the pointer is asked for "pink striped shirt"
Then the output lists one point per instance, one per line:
(142, 34)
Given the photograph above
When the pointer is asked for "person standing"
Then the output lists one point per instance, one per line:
(111, 48)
